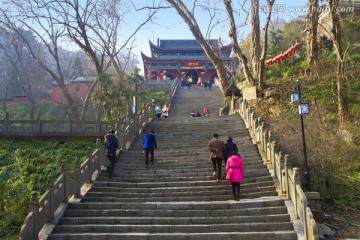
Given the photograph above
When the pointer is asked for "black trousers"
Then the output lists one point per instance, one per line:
(217, 166)
(235, 188)
(111, 166)
(147, 151)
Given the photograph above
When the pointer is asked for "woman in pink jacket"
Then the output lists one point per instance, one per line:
(235, 173)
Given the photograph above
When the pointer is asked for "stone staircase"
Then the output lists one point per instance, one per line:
(177, 197)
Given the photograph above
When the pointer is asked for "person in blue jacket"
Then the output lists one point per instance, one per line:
(149, 147)
(111, 144)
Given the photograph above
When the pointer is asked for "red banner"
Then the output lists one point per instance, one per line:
(192, 64)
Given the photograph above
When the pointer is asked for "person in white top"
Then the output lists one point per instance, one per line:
(199, 82)
(165, 111)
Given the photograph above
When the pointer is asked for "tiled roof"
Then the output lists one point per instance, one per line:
(185, 43)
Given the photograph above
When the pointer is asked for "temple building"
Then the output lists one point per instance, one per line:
(175, 59)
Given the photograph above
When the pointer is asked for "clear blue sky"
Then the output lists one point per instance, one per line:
(168, 25)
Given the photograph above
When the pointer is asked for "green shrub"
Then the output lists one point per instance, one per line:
(25, 168)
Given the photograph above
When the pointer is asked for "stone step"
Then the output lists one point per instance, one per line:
(194, 177)
(218, 205)
(171, 228)
(174, 220)
(186, 181)
(210, 197)
(130, 188)
(265, 235)
(175, 213)
(101, 192)
(200, 172)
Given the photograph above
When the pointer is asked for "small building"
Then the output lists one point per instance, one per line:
(175, 59)
(78, 87)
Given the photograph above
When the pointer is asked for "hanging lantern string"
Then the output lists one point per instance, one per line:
(287, 54)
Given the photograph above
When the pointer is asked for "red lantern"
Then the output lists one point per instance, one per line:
(202, 73)
(182, 73)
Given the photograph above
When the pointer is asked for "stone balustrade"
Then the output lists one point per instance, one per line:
(68, 185)
(53, 127)
(286, 179)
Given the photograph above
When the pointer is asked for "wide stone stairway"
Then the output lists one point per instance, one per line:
(177, 197)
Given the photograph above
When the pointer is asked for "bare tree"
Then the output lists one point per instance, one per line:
(259, 48)
(95, 27)
(14, 52)
(342, 85)
(38, 19)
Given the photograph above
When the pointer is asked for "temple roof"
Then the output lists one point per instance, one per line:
(182, 44)
(185, 43)
(175, 59)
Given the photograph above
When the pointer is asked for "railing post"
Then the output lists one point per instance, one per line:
(98, 126)
(34, 208)
(272, 153)
(68, 126)
(286, 176)
(64, 171)
(50, 188)
(101, 157)
(296, 180)
(264, 143)
(6, 122)
(77, 178)
(276, 166)
(268, 148)
(281, 167)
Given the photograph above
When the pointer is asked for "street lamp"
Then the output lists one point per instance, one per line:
(303, 110)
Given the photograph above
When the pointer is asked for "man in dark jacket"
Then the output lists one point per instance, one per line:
(216, 149)
(111, 144)
(149, 147)
(229, 148)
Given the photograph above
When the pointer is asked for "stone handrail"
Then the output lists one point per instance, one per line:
(53, 127)
(54, 201)
(286, 179)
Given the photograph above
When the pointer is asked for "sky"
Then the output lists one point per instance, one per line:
(168, 25)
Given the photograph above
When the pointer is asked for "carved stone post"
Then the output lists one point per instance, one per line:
(272, 153)
(77, 186)
(100, 152)
(68, 125)
(280, 177)
(50, 188)
(34, 208)
(98, 126)
(264, 143)
(6, 122)
(286, 176)
(64, 171)
(276, 166)
(268, 148)
(297, 181)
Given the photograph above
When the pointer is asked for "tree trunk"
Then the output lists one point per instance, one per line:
(261, 64)
(235, 45)
(312, 46)
(255, 38)
(340, 56)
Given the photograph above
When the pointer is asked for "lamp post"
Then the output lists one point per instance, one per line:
(303, 110)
